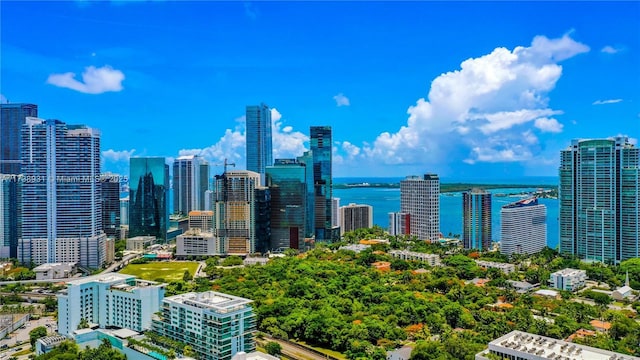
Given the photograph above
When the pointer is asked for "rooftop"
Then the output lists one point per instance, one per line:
(212, 300)
(522, 203)
(51, 340)
(547, 348)
(106, 278)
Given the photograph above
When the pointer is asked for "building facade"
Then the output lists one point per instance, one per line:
(110, 300)
(259, 147)
(190, 184)
(215, 325)
(420, 198)
(399, 223)
(110, 202)
(234, 211)
(355, 216)
(320, 144)
(12, 118)
(307, 160)
(148, 195)
(524, 227)
(198, 243)
(202, 220)
(287, 181)
(599, 201)
(568, 279)
(476, 219)
(61, 191)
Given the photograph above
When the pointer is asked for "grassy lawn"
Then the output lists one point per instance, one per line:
(169, 271)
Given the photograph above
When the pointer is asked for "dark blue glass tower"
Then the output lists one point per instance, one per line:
(322, 181)
(148, 188)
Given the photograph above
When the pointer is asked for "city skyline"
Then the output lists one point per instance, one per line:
(522, 91)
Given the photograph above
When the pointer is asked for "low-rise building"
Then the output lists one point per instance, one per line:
(601, 326)
(140, 243)
(622, 293)
(520, 287)
(357, 248)
(547, 293)
(50, 271)
(256, 355)
(403, 353)
(47, 343)
(568, 279)
(526, 346)
(198, 243)
(255, 260)
(431, 259)
(382, 265)
(504, 267)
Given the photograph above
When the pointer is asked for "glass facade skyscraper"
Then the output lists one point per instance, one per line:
(148, 189)
(190, 183)
(476, 219)
(61, 212)
(12, 117)
(307, 160)
(110, 201)
(259, 147)
(599, 202)
(287, 181)
(320, 144)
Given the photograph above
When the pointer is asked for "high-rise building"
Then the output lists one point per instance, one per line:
(124, 211)
(420, 198)
(355, 216)
(259, 148)
(202, 220)
(599, 201)
(61, 212)
(476, 219)
(320, 143)
(335, 212)
(12, 117)
(234, 211)
(114, 299)
(148, 190)
(524, 227)
(215, 325)
(307, 160)
(190, 183)
(110, 202)
(399, 223)
(286, 180)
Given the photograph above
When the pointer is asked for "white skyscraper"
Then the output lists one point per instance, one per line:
(61, 212)
(420, 198)
(335, 209)
(190, 184)
(524, 227)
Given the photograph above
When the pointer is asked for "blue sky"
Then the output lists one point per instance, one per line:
(469, 89)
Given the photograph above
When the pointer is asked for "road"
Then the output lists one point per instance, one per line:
(19, 339)
(294, 351)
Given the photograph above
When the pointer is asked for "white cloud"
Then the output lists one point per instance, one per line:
(604, 102)
(94, 80)
(548, 125)
(117, 156)
(609, 49)
(488, 110)
(341, 100)
(287, 143)
(3, 99)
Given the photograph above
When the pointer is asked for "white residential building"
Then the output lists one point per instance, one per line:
(526, 346)
(109, 300)
(524, 227)
(568, 279)
(420, 198)
(399, 223)
(431, 259)
(217, 326)
(504, 267)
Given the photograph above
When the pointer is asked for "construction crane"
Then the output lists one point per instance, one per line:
(226, 164)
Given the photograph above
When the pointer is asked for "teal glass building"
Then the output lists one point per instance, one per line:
(259, 147)
(476, 221)
(287, 181)
(599, 203)
(148, 190)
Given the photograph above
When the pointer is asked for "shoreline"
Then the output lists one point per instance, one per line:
(446, 187)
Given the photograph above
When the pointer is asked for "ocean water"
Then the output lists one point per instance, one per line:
(385, 201)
